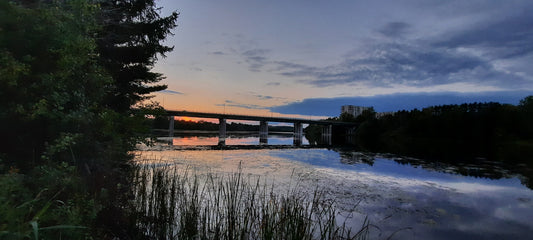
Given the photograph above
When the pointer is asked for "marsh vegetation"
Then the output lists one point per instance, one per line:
(174, 203)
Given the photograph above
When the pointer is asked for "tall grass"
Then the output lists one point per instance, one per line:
(175, 204)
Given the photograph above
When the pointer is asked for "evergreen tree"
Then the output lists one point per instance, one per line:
(129, 43)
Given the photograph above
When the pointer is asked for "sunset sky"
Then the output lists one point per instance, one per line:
(310, 57)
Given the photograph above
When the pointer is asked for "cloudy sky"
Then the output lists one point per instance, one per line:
(310, 57)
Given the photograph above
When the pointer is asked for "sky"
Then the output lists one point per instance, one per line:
(294, 58)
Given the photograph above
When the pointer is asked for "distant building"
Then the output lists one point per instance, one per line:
(353, 110)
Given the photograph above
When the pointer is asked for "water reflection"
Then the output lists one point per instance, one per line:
(194, 140)
(211, 139)
(480, 169)
(422, 199)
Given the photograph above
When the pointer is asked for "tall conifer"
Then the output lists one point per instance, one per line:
(129, 43)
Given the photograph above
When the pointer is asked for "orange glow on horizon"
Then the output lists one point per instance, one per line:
(195, 119)
(188, 119)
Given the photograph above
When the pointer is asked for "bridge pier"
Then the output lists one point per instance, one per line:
(350, 135)
(171, 127)
(263, 132)
(221, 131)
(326, 134)
(298, 133)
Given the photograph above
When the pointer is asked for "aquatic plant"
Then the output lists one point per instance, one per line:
(172, 203)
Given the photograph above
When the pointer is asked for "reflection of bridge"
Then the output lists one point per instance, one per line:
(263, 124)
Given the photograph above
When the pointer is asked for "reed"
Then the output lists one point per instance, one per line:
(175, 204)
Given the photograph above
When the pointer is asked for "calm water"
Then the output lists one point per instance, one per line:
(402, 197)
(210, 139)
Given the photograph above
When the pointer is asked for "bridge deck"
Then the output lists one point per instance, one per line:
(255, 118)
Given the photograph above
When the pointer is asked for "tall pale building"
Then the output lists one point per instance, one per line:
(354, 110)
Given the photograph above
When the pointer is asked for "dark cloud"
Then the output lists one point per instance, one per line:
(395, 63)
(386, 64)
(266, 97)
(255, 52)
(290, 69)
(229, 103)
(273, 84)
(217, 53)
(256, 59)
(263, 97)
(171, 92)
(478, 51)
(429, 62)
(500, 38)
(396, 102)
(395, 29)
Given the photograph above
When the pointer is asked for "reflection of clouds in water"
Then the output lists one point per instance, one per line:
(434, 205)
(438, 213)
(518, 213)
(469, 187)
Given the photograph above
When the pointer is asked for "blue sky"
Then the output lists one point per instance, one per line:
(311, 57)
(396, 102)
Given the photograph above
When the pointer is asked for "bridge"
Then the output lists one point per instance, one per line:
(263, 124)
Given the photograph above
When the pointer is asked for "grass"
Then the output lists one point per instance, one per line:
(175, 204)
(44, 204)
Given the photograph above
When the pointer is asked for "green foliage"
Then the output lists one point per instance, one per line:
(51, 83)
(452, 132)
(43, 205)
(366, 115)
(526, 104)
(526, 109)
(346, 117)
(67, 143)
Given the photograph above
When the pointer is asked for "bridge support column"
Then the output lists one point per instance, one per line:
(263, 132)
(326, 134)
(221, 131)
(171, 127)
(350, 135)
(298, 133)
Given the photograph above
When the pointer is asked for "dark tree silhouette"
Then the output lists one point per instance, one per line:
(129, 43)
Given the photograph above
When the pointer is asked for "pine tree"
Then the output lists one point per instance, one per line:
(129, 44)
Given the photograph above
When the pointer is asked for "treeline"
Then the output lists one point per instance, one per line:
(465, 132)
(70, 72)
(163, 123)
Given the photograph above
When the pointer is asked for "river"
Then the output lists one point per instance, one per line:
(404, 198)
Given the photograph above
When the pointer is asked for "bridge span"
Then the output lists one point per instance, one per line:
(263, 124)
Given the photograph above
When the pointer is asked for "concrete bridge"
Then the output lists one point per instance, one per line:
(263, 125)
